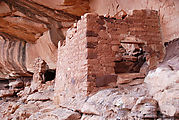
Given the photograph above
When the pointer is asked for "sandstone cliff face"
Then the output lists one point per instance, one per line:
(74, 7)
(29, 30)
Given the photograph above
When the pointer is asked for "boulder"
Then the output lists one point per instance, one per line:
(113, 103)
(7, 93)
(18, 83)
(164, 84)
(125, 78)
(164, 81)
(91, 117)
(40, 96)
(144, 108)
(53, 112)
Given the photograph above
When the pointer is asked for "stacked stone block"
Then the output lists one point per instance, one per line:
(88, 59)
(72, 64)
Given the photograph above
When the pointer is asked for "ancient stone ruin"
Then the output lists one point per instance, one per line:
(89, 60)
(101, 48)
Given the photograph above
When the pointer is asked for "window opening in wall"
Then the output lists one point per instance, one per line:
(131, 58)
(49, 75)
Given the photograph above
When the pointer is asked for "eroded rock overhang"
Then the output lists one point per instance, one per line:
(29, 29)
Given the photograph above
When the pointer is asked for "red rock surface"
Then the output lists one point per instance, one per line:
(75, 7)
(29, 30)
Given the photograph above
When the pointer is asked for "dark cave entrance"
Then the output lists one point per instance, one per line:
(50, 74)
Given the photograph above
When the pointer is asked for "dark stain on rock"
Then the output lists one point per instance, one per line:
(9, 54)
(56, 34)
(91, 34)
(19, 52)
(16, 67)
(24, 55)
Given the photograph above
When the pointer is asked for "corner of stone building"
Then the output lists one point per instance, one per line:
(97, 46)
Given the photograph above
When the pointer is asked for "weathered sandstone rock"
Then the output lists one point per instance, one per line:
(18, 83)
(75, 7)
(92, 117)
(55, 114)
(40, 66)
(6, 93)
(29, 30)
(45, 49)
(112, 103)
(5, 10)
(40, 96)
(21, 28)
(29, 25)
(124, 78)
(17, 57)
(164, 82)
(145, 108)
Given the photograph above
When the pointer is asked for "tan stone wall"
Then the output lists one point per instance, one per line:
(72, 65)
(87, 60)
(168, 12)
(17, 57)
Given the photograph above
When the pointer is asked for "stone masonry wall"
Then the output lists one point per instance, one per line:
(109, 43)
(98, 48)
(72, 64)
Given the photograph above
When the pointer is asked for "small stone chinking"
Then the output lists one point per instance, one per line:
(69, 60)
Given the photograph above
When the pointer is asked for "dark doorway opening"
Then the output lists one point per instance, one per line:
(49, 75)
